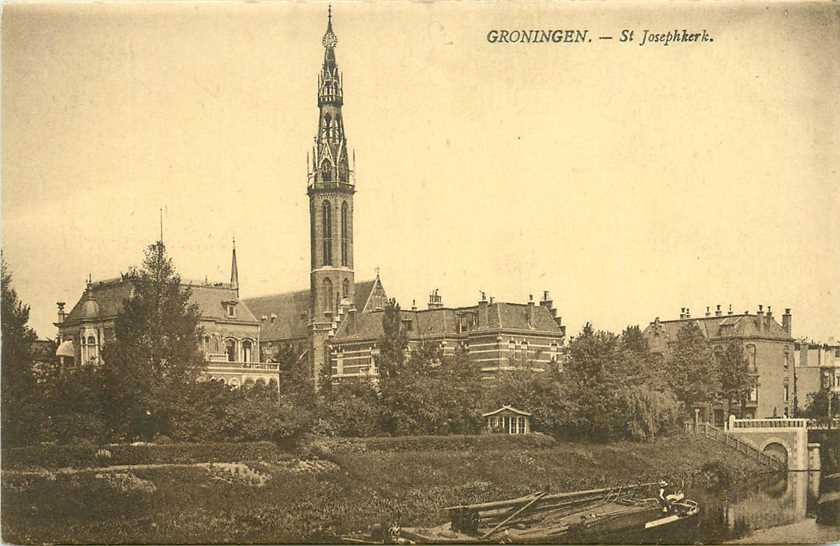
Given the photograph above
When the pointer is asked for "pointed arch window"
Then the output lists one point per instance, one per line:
(344, 231)
(327, 295)
(326, 171)
(327, 233)
(345, 288)
(230, 349)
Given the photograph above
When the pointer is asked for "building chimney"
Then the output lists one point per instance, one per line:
(351, 320)
(483, 318)
(530, 310)
(687, 313)
(414, 305)
(682, 312)
(730, 309)
(708, 313)
(61, 314)
(435, 300)
(717, 311)
(786, 322)
(760, 315)
(546, 300)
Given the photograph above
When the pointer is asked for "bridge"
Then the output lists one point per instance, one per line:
(785, 440)
(779, 444)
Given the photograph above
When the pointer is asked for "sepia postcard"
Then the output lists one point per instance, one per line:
(420, 272)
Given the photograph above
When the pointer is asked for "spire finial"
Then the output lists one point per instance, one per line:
(234, 269)
(329, 41)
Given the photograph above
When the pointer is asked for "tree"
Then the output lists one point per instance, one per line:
(692, 371)
(394, 342)
(817, 406)
(21, 412)
(154, 356)
(736, 381)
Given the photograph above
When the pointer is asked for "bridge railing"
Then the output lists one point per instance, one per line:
(767, 423)
(710, 431)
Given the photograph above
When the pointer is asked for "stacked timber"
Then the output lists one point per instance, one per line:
(483, 520)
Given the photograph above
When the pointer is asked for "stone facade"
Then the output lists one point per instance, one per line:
(768, 345)
(230, 337)
(816, 367)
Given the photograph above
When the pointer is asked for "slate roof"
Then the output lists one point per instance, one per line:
(109, 296)
(292, 311)
(722, 326)
(444, 321)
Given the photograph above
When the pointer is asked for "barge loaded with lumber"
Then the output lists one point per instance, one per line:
(595, 515)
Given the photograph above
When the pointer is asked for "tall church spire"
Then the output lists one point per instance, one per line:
(234, 270)
(330, 188)
(330, 165)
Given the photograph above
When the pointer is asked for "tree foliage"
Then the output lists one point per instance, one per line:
(21, 410)
(693, 374)
(154, 356)
(736, 380)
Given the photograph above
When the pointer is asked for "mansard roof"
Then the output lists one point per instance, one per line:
(445, 322)
(110, 294)
(291, 311)
(724, 326)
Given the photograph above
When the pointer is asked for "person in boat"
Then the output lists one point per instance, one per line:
(663, 498)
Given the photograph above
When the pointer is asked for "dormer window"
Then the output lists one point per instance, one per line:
(230, 309)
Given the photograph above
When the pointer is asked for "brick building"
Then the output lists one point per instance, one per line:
(768, 345)
(816, 368)
(497, 336)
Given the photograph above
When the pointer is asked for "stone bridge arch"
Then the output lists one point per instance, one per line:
(783, 439)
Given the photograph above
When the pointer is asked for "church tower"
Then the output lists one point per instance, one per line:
(330, 188)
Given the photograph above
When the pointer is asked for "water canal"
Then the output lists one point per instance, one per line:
(780, 508)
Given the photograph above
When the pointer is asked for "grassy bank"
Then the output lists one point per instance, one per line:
(360, 483)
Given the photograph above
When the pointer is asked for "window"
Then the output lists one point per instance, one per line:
(345, 288)
(230, 349)
(751, 356)
(246, 351)
(206, 344)
(327, 221)
(787, 360)
(521, 425)
(512, 347)
(326, 171)
(231, 309)
(344, 231)
(787, 394)
(328, 296)
(754, 392)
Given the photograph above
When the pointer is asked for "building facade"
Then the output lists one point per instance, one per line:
(816, 368)
(230, 337)
(496, 336)
(769, 349)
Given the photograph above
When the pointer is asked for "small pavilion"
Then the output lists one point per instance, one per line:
(507, 420)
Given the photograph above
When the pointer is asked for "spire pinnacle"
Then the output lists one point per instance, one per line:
(234, 270)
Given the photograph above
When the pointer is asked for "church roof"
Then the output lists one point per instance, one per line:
(445, 321)
(290, 311)
(109, 296)
(285, 315)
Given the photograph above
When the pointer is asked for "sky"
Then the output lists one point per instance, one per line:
(628, 180)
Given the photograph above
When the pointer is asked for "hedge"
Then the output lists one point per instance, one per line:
(452, 442)
(62, 456)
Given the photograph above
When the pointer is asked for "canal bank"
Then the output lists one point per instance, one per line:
(408, 480)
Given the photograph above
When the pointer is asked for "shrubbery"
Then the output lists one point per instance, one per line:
(451, 442)
(62, 456)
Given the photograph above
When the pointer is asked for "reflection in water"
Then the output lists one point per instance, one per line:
(775, 508)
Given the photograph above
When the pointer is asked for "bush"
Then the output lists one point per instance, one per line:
(54, 456)
(452, 442)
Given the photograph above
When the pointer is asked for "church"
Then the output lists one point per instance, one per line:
(335, 324)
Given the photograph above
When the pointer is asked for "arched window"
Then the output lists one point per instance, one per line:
(345, 288)
(326, 171)
(230, 349)
(234, 382)
(751, 356)
(328, 295)
(215, 343)
(327, 217)
(344, 231)
(246, 351)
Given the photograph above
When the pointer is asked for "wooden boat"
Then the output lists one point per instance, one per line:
(576, 517)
